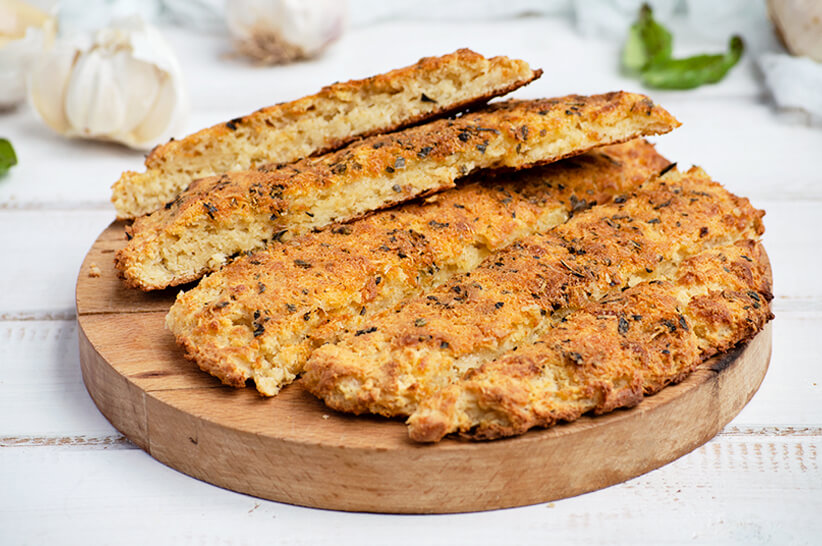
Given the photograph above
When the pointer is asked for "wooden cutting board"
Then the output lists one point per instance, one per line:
(291, 448)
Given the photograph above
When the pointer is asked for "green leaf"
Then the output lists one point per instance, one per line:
(7, 156)
(648, 42)
(693, 71)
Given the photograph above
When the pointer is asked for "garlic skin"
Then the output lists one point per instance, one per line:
(122, 84)
(25, 32)
(281, 31)
(799, 25)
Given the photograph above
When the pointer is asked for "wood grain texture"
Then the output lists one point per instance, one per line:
(292, 448)
(741, 490)
(41, 260)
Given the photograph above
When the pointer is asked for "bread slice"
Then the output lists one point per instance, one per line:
(218, 217)
(609, 354)
(261, 316)
(335, 116)
(412, 351)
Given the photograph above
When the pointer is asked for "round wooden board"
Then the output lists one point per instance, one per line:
(291, 448)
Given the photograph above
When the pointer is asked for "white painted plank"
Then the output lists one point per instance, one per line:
(58, 173)
(42, 256)
(42, 389)
(793, 239)
(724, 492)
(55, 172)
(791, 393)
(747, 147)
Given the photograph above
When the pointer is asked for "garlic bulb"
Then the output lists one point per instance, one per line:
(799, 24)
(122, 84)
(279, 31)
(24, 33)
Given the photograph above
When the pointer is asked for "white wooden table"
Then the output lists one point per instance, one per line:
(68, 477)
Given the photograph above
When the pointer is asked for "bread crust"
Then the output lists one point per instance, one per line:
(472, 79)
(610, 354)
(414, 350)
(218, 217)
(261, 316)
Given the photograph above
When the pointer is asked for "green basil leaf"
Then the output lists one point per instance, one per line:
(7, 156)
(648, 42)
(693, 71)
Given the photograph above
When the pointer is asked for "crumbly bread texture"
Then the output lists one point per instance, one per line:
(335, 116)
(261, 316)
(609, 354)
(410, 352)
(218, 217)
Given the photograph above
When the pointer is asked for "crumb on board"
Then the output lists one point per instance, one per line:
(93, 270)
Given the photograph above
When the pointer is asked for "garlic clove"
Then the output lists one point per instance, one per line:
(160, 119)
(122, 84)
(93, 105)
(138, 83)
(47, 85)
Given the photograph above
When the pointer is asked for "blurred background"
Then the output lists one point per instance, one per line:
(229, 57)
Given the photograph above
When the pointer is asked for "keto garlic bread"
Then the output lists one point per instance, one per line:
(261, 316)
(414, 350)
(337, 115)
(220, 217)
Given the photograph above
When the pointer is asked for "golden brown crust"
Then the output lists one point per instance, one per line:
(443, 111)
(261, 316)
(338, 114)
(413, 350)
(382, 170)
(610, 354)
(389, 82)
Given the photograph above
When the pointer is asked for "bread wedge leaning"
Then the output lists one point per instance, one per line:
(337, 115)
(412, 351)
(261, 316)
(219, 217)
